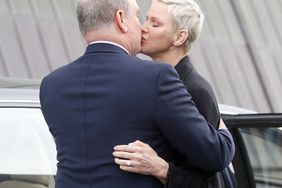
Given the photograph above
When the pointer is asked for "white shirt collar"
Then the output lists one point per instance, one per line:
(109, 42)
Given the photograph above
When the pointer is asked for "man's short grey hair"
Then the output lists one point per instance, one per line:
(186, 15)
(94, 14)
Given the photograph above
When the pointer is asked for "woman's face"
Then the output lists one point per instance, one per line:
(157, 32)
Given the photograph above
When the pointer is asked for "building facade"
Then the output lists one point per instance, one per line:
(239, 51)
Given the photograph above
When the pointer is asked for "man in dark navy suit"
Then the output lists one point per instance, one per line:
(108, 97)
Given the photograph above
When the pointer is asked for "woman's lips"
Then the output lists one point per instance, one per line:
(143, 40)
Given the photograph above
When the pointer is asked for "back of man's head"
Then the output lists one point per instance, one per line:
(95, 14)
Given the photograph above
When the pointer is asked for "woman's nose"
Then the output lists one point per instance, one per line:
(144, 28)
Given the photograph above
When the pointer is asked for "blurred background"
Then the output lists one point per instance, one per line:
(239, 51)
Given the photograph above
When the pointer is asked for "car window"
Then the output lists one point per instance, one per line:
(28, 154)
(264, 148)
(26, 181)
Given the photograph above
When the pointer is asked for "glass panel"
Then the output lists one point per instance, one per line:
(27, 181)
(27, 146)
(264, 147)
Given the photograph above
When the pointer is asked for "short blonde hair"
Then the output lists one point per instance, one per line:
(186, 15)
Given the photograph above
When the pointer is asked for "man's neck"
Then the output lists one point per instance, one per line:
(109, 42)
(106, 37)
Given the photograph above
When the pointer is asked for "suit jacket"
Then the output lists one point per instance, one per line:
(181, 176)
(107, 97)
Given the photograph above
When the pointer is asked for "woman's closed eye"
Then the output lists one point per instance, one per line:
(156, 24)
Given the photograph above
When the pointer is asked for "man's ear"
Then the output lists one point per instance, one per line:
(120, 19)
(180, 37)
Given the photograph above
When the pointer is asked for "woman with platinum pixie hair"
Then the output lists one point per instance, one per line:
(170, 30)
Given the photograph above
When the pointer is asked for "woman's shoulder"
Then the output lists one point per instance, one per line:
(196, 83)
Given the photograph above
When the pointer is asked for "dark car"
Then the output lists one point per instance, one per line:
(28, 154)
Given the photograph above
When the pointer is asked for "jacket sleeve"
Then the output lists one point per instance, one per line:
(185, 129)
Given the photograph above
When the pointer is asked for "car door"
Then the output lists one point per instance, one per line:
(27, 149)
(258, 158)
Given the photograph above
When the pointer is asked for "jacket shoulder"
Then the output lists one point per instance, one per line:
(60, 70)
(152, 65)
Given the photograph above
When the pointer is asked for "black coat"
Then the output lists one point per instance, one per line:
(181, 175)
(200, 90)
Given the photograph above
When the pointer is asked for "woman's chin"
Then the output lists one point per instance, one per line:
(145, 51)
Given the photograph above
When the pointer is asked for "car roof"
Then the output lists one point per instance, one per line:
(233, 110)
(18, 97)
(25, 93)
(19, 83)
(18, 92)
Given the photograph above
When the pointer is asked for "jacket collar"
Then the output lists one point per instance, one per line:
(104, 48)
(184, 66)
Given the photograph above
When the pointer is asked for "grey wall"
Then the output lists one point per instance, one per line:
(239, 51)
(37, 36)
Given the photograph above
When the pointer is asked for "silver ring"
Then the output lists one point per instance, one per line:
(128, 163)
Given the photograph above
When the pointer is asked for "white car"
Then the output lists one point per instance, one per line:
(28, 153)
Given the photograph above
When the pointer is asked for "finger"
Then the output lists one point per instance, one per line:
(222, 124)
(138, 143)
(122, 148)
(130, 169)
(122, 162)
(125, 162)
(127, 148)
(126, 155)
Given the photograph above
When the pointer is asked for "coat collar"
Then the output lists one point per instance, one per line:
(104, 48)
(184, 66)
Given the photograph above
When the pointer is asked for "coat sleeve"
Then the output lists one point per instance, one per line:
(179, 177)
(185, 129)
(206, 105)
